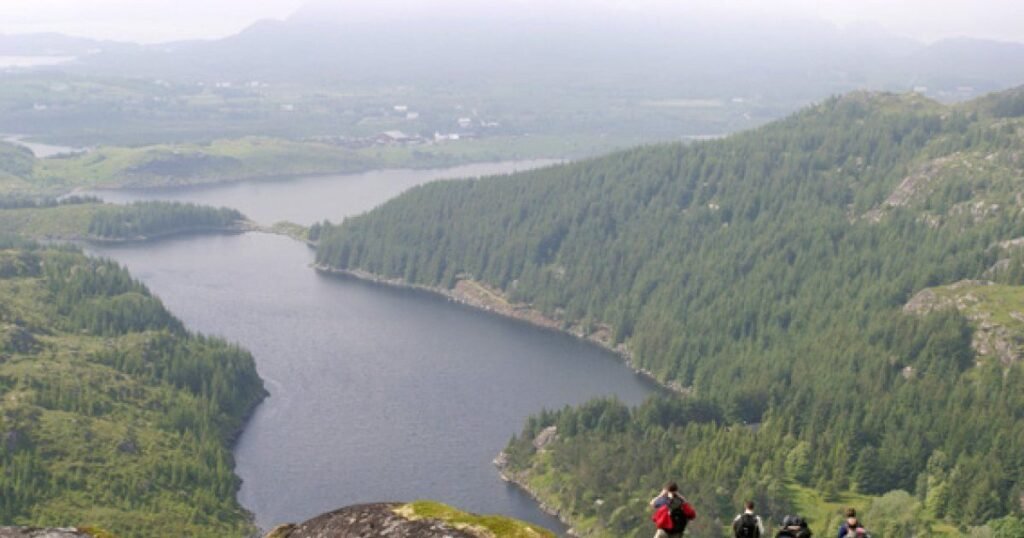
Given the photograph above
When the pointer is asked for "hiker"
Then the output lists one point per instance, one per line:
(671, 512)
(794, 527)
(748, 524)
(851, 528)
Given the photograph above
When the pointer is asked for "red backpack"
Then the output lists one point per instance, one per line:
(662, 517)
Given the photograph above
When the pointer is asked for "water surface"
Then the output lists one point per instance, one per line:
(40, 149)
(376, 393)
(311, 199)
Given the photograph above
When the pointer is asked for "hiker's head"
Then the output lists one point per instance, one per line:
(671, 487)
(851, 516)
(749, 505)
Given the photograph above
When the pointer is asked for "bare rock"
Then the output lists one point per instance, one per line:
(545, 437)
(367, 521)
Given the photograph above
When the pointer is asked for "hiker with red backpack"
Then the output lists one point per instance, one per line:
(748, 524)
(671, 512)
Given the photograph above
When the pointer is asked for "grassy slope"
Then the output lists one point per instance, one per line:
(826, 515)
(72, 222)
(254, 157)
(61, 222)
(15, 168)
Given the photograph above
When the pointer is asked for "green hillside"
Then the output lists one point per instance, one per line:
(254, 158)
(112, 414)
(88, 219)
(765, 276)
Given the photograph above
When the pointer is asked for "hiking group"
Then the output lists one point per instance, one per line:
(672, 512)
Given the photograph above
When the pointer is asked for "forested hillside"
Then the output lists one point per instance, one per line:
(765, 276)
(90, 219)
(112, 414)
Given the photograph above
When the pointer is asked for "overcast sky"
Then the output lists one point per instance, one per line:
(165, 20)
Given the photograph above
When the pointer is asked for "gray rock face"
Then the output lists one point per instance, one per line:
(366, 521)
(545, 437)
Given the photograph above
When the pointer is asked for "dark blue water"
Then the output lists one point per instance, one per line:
(376, 393)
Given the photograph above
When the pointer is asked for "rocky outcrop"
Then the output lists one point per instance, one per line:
(545, 437)
(928, 300)
(422, 519)
(994, 311)
(910, 186)
(369, 520)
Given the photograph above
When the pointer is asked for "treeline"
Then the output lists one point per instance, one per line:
(21, 201)
(114, 415)
(151, 219)
(607, 460)
(15, 160)
(765, 273)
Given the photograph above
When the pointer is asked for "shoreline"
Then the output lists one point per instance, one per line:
(501, 462)
(523, 313)
(479, 296)
(213, 181)
(239, 228)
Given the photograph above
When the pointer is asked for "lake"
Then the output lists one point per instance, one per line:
(42, 150)
(377, 393)
(312, 199)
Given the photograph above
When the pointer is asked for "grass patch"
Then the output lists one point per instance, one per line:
(825, 516)
(497, 526)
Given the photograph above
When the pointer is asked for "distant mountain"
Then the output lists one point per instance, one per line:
(49, 44)
(967, 66)
(618, 52)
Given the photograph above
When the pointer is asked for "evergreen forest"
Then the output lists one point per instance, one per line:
(805, 289)
(114, 417)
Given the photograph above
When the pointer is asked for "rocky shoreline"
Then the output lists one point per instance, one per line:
(518, 480)
(477, 295)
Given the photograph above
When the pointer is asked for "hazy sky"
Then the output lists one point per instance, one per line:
(164, 20)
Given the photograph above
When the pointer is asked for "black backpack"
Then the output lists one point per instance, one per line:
(679, 519)
(746, 527)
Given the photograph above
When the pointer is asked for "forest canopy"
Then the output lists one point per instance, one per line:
(113, 415)
(765, 274)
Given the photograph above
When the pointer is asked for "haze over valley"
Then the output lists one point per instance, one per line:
(506, 268)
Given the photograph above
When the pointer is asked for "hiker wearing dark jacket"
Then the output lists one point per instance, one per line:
(748, 524)
(851, 526)
(794, 527)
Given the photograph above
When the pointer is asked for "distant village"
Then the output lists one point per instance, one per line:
(462, 128)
